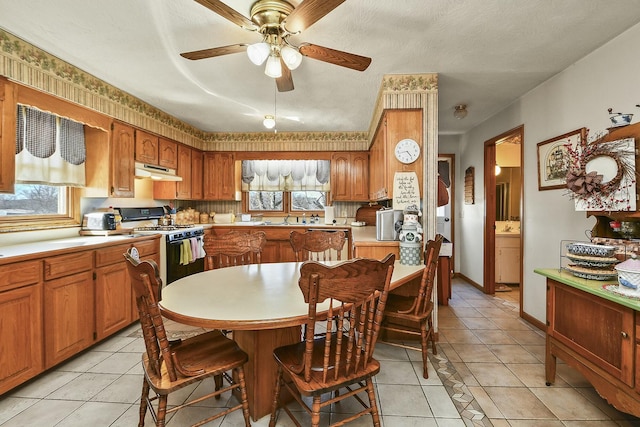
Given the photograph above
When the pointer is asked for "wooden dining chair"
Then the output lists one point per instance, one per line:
(233, 248)
(172, 365)
(317, 245)
(354, 292)
(413, 314)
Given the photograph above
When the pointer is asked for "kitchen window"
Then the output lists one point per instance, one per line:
(285, 202)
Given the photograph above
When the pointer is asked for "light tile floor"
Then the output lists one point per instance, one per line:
(489, 371)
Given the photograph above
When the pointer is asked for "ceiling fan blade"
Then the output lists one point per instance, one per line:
(228, 13)
(337, 57)
(284, 82)
(308, 13)
(215, 51)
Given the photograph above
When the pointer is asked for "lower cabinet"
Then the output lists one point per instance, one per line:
(52, 307)
(598, 338)
(508, 259)
(21, 333)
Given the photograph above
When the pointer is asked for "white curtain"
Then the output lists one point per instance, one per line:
(285, 175)
(50, 150)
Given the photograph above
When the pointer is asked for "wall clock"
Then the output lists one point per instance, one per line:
(407, 151)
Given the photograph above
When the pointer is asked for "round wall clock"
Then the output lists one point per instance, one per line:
(407, 151)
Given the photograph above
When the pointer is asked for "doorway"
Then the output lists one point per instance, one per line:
(503, 242)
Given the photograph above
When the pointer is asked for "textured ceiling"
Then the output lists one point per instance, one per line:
(487, 53)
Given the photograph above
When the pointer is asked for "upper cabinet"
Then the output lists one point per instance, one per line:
(122, 160)
(168, 154)
(154, 150)
(219, 176)
(183, 188)
(146, 148)
(394, 126)
(7, 135)
(197, 165)
(350, 176)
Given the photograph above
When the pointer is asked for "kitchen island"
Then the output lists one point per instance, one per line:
(595, 330)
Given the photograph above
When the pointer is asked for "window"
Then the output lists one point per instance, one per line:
(285, 202)
(35, 200)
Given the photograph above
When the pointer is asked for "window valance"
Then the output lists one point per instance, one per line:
(285, 175)
(49, 149)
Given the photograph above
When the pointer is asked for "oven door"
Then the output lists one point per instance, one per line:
(175, 269)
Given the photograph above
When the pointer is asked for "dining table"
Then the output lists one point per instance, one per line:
(264, 307)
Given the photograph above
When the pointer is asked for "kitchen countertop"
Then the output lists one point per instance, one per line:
(57, 246)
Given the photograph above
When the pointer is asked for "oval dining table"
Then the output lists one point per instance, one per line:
(263, 306)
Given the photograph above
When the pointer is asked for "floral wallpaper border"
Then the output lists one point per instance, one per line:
(18, 60)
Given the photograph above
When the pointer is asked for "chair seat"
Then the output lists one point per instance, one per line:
(194, 362)
(290, 358)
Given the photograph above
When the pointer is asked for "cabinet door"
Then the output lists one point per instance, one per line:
(147, 147)
(69, 316)
(225, 175)
(21, 335)
(7, 135)
(219, 176)
(601, 331)
(377, 165)
(340, 176)
(197, 160)
(113, 299)
(183, 188)
(122, 161)
(168, 154)
(359, 176)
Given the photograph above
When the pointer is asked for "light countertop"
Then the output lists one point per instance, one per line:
(12, 252)
(595, 287)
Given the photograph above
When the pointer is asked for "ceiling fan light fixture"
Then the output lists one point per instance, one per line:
(460, 111)
(258, 52)
(274, 67)
(291, 57)
(269, 122)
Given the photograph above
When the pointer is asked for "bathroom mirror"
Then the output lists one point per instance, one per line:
(508, 184)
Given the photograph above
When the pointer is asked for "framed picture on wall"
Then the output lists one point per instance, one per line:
(553, 159)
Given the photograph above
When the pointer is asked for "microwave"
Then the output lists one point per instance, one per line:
(386, 220)
(99, 221)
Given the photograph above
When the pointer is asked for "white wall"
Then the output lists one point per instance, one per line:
(579, 96)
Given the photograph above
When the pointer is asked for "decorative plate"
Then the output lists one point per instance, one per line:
(622, 291)
(591, 250)
(592, 274)
(592, 261)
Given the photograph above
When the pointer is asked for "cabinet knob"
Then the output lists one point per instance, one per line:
(624, 334)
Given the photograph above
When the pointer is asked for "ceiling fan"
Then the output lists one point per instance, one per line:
(276, 20)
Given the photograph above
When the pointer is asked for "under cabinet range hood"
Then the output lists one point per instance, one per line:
(157, 173)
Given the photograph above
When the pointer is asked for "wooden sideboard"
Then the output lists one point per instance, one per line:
(597, 333)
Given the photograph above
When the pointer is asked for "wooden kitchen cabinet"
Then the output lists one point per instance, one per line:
(21, 330)
(183, 188)
(350, 176)
(597, 337)
(197, 166)
(168, 153)
(8, 117)
(219, 176)
(113, 291)
(115, 300)
(122, 160)
(394, 126)
(147, 146)
(507, 259)
(69, 316)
